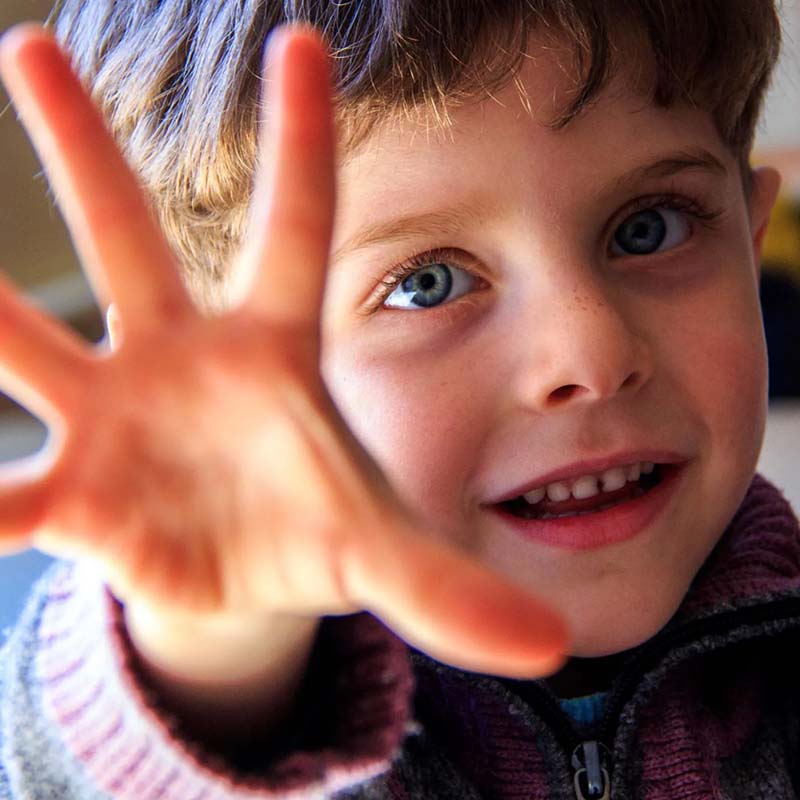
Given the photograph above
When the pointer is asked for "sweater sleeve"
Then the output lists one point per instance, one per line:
(77, 721)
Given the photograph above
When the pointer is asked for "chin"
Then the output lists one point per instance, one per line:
(610, 646)
(609, 634)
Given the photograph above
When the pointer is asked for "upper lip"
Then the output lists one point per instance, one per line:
(589, 466)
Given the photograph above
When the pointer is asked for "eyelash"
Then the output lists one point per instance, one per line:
(398, 273)
(709, 218)
(706, 216)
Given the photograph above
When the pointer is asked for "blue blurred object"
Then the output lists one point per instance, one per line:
(17, 574)
(20, 435)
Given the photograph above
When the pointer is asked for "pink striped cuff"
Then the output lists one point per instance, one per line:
(131, 748)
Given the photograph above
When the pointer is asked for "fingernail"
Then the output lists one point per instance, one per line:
(273, 46)
(15, 39)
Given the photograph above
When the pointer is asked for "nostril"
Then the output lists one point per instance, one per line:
(598, 386)
(566, 392)
(631, 380)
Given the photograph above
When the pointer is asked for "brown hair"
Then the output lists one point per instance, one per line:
(178, 80)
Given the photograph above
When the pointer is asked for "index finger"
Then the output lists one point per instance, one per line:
(282, 265)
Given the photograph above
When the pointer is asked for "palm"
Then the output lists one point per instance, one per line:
(202, 464)
(150, 482)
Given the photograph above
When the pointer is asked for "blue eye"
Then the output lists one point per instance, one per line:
(431, 285)
(650, 231)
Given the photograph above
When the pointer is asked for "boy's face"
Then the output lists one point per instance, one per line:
(585, 311)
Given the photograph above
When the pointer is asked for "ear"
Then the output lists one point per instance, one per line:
(766, 183)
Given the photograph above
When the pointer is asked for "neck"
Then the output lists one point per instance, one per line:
(582, 676)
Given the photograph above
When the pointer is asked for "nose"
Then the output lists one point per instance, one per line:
(585, 348)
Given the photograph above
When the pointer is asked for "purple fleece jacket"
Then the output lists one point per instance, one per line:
(708, 708)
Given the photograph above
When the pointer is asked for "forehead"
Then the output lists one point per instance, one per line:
(492, 150)
(535, 96)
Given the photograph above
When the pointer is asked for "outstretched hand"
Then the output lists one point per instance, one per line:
(200, 463)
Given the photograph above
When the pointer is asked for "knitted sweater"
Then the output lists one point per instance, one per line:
(708, 708)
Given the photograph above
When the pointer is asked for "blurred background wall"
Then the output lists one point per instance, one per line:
(34, 248)
(779, 134)
(35, 252)
(778, 143)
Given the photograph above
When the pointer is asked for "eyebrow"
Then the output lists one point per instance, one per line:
(446, 222)
(463, 215)
(673, 164)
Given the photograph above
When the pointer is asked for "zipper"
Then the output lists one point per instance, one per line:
(590, 779)
(591, 760)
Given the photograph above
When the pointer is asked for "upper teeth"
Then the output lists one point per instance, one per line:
(590, 485)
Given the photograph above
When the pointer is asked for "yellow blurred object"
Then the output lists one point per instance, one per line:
(782, 240)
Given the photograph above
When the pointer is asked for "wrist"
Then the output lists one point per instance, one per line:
(215, 649)
(225, 678)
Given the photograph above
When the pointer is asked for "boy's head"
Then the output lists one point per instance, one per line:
(180, 81)
(566, 187)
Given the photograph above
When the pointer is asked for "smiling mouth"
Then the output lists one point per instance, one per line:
(587, 495)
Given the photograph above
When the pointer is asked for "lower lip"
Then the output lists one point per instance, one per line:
(597, 529)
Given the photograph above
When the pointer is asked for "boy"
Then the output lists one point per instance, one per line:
(541, 322)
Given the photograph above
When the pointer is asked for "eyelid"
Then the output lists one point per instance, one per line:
(394, 275)
(699, 210)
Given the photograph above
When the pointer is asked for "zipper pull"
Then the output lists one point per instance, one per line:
(591, 779)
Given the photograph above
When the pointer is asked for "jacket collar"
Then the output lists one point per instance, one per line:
(757, 559)
(750, 581)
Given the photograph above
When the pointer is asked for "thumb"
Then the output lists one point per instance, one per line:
(455, 609)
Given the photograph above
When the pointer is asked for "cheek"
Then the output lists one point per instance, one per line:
(418, 418)
(718, 356)
(736, 397)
